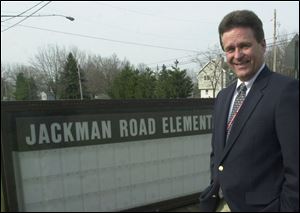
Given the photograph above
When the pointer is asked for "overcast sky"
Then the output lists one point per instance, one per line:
(142, 32)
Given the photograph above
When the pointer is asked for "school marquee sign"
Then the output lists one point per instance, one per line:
(29, 126)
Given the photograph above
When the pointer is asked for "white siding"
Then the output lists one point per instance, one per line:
(205, 85)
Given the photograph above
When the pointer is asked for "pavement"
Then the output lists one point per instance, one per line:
(188, 208)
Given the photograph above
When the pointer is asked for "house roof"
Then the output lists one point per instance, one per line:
(213, 60)
(207, 65)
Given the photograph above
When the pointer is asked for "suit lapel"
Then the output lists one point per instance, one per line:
(251, 101)
(224, 110)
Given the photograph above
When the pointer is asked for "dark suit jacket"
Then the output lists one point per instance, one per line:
(261, 157)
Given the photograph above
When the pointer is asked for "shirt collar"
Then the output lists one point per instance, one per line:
(251, 81)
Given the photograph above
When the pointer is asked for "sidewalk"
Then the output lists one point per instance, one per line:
(189, 208)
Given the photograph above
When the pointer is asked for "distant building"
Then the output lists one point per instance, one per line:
(102, 96)
(46, 96)
(213, 77)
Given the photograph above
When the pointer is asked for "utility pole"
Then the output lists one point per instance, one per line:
(274, 42)
(79, 79)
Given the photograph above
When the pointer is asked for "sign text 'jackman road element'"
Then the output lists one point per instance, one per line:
(47, 132)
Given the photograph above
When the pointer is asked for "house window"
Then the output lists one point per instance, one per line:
(206, 78)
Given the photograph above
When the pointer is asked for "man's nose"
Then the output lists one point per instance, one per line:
(238, 53)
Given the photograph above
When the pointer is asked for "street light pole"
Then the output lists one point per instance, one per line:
(29, 16)
(79, 79)
(16, 16)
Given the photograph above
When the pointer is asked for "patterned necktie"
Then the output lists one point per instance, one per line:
(236, 106)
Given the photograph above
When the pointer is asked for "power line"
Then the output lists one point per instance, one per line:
(171, 59)
(172, 64)
(110, 40)
(26, 17)
(281, 35)
(279, 43)
(189, 61)
(153, 15)
(141, 44)
(22, 12)
(135, 32)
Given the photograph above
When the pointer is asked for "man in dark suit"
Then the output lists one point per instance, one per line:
(255, 141)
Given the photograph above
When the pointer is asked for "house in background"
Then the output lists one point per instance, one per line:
(213, 77)
(46, 96)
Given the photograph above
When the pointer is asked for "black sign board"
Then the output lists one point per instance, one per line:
(38, 125)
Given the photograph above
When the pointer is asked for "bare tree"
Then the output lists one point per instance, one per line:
(281, 45)
(111, 67)
(49, 62)
(213, 60)
(9, 73)
(95, 77)
(100, 73)
(7, 83)
(80, 56)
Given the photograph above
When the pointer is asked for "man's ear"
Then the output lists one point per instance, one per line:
(263, 44)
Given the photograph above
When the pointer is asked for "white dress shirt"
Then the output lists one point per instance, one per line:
(248, 85)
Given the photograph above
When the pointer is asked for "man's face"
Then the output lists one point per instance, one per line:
(243, 53)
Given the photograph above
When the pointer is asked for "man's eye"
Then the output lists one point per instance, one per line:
(229, 50)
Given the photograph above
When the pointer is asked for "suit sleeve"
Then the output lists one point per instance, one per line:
(212, 153)
(287, 127)
(209, 202)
